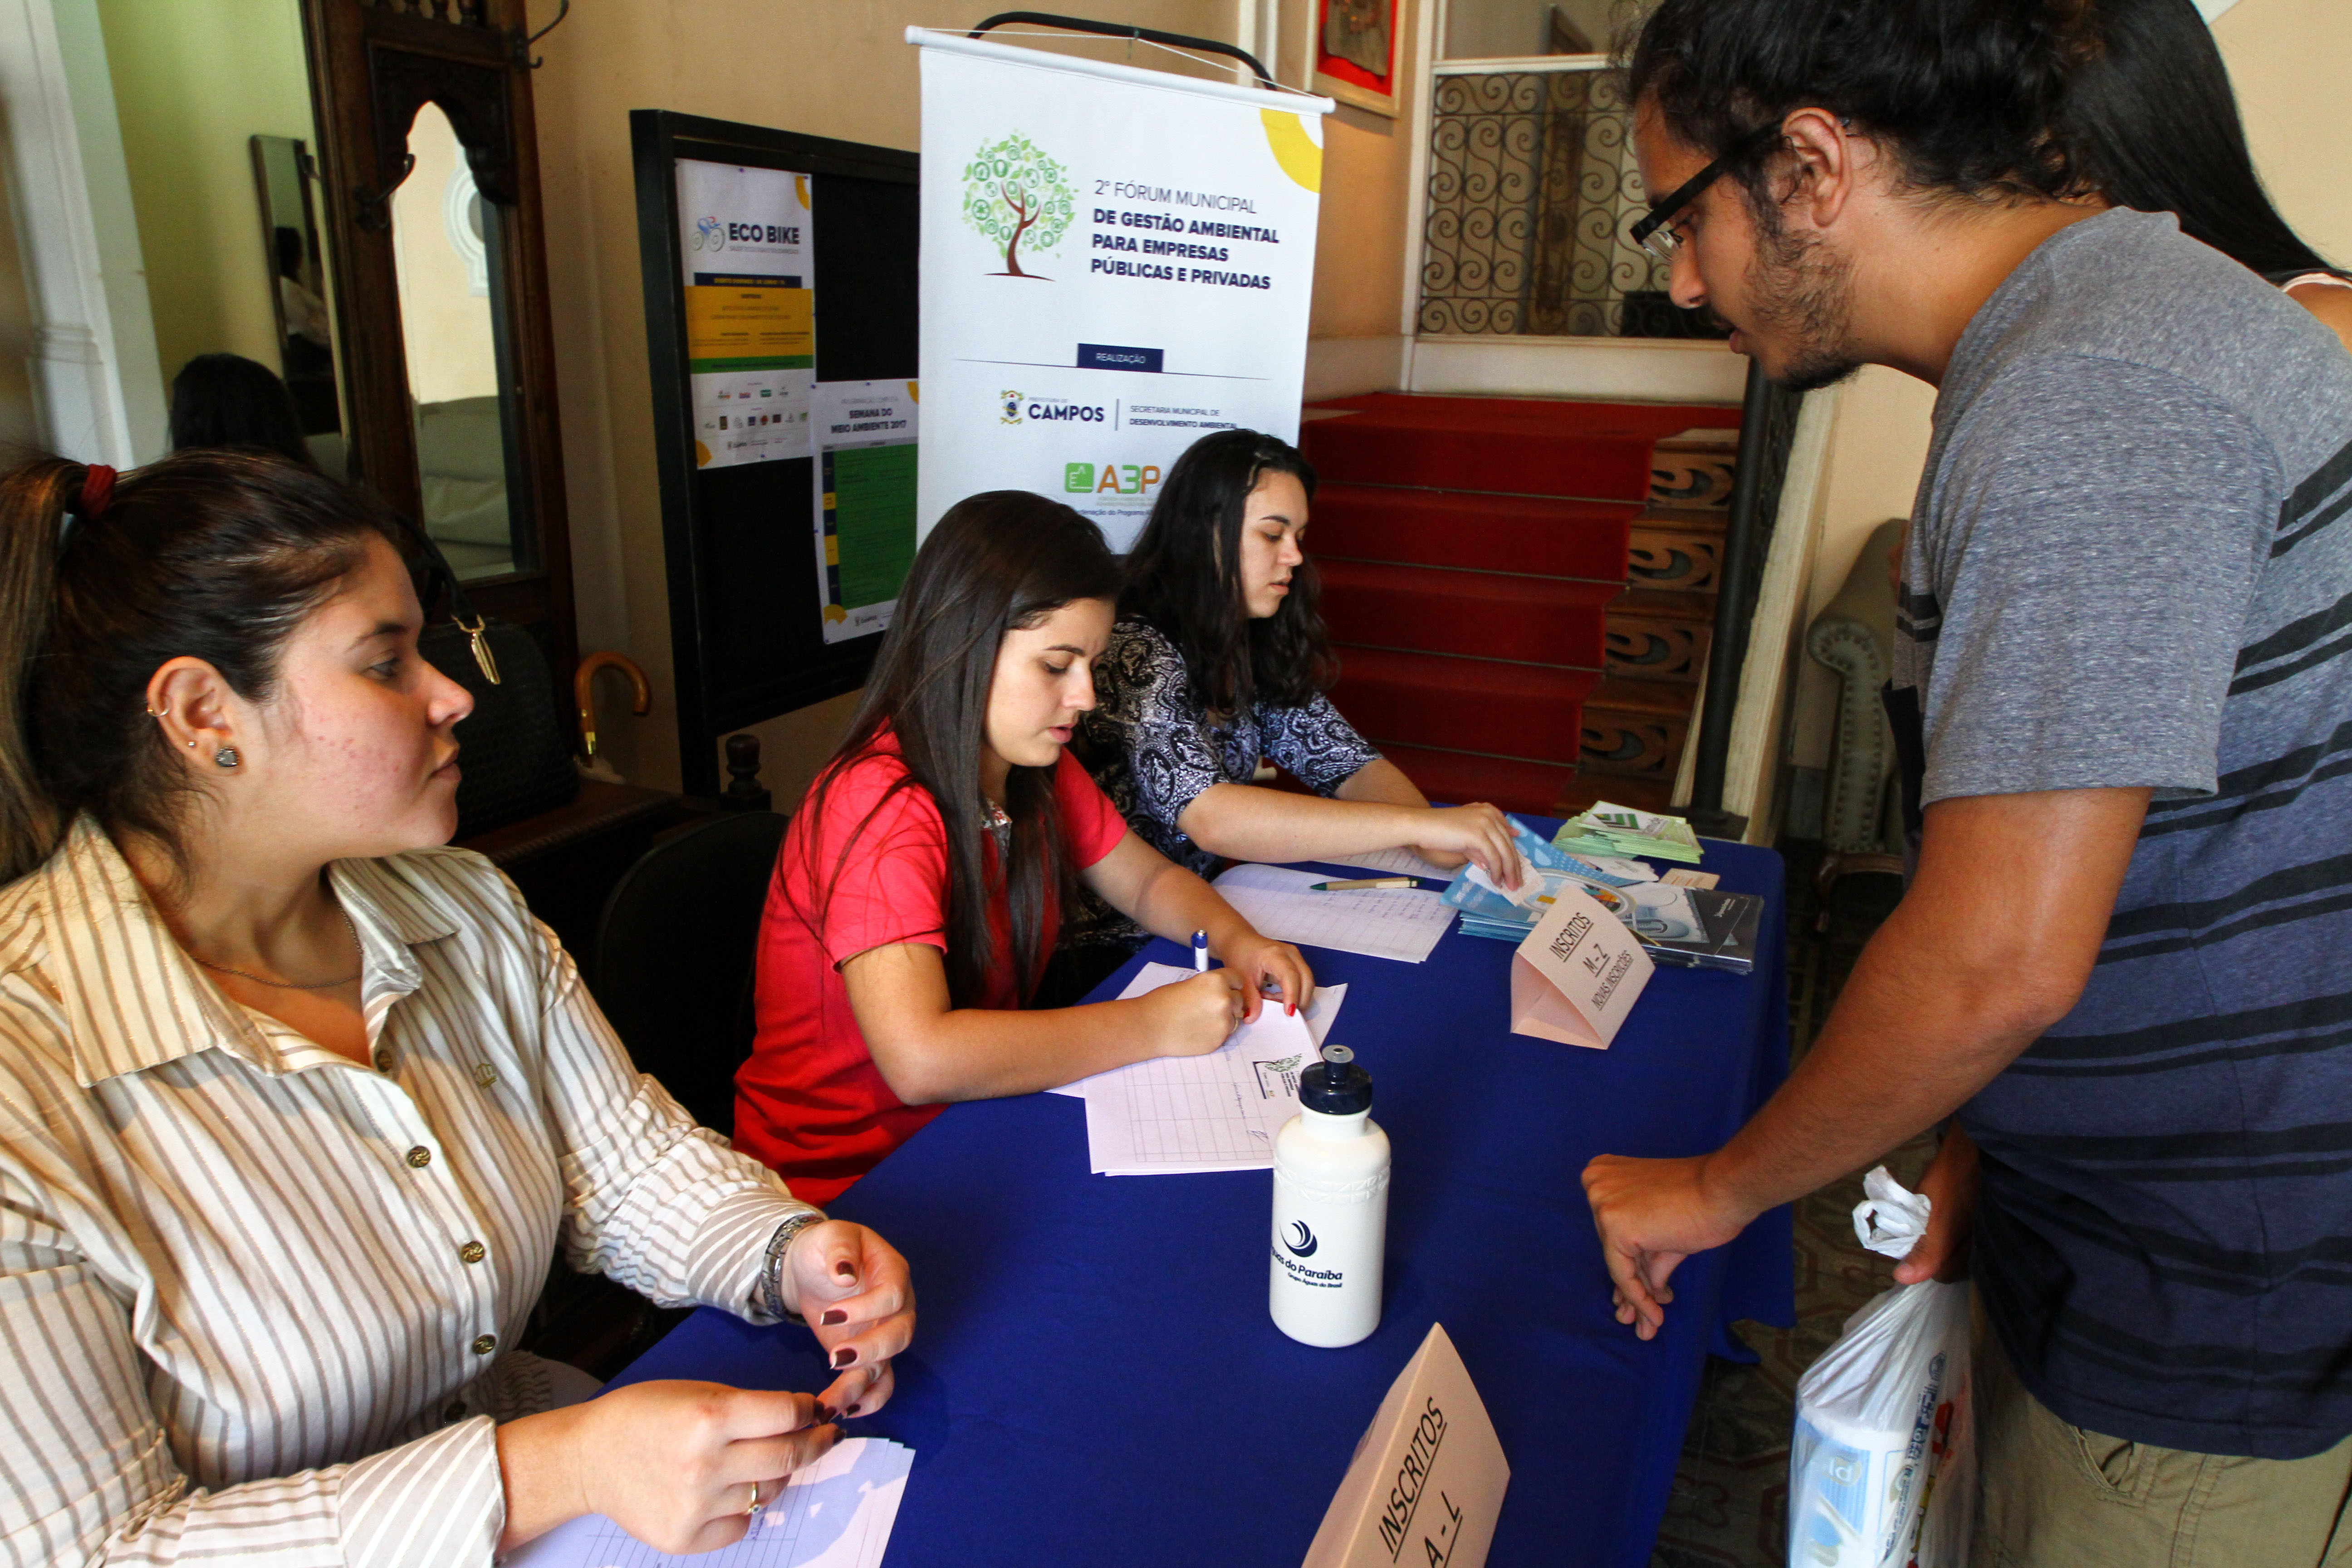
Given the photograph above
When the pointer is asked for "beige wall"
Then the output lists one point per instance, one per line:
(839, 68)
(2290, 61)
(194, 80)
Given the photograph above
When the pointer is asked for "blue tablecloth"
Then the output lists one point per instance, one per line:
(1095, 1380)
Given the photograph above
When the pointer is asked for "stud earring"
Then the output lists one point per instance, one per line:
(192, 745)
(227, 757)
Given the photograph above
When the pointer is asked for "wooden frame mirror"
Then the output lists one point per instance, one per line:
(429, 160)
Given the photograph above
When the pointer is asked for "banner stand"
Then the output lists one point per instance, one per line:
(1116, 261)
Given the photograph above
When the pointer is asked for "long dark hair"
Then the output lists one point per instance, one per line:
(1184, 576)
(227, 400)
(997, 563)
(2151, 123)
(215, 555)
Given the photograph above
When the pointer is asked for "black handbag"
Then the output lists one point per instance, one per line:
(515, 761)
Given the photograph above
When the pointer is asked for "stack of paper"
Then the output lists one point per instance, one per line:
(1609, 829)
(836, 1513)
(1174, 1115)
(1400, 923)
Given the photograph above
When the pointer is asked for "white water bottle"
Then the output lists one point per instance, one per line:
(1330, 1208)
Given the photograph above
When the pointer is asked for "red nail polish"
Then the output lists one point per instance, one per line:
(826, 1415)
(843, 1357)
(846, 1271)
(834, 1315)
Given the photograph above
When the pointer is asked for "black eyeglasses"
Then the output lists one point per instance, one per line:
(1652, 235)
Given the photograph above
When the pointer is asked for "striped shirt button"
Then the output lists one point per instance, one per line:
(485, 1344)
(485, 1074)
(420, 1157)
(473, 1252)
(383, 1058)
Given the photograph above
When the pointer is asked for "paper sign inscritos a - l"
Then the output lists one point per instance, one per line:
(1428, 1477)
(1577, 974)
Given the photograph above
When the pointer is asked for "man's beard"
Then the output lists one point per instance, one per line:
(1803, 295)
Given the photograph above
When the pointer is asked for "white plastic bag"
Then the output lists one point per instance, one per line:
(1882, 1468)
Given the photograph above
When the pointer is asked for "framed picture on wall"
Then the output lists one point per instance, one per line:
(1355, 52)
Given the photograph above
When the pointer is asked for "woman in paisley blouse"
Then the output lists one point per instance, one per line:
(1218, 659)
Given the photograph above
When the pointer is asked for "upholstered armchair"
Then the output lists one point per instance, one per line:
(1855, 636)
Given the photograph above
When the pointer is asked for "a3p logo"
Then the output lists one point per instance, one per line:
(709, 234)
(1118, 478)
(1012, 402)
(1298, 1239)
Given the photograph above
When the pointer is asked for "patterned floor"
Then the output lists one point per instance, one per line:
(1729, 1505)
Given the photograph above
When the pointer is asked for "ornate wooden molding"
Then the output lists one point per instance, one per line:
(1655, 648)
(1675, 558)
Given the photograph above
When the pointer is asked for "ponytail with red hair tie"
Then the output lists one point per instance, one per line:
(97, 490)
(89, 502)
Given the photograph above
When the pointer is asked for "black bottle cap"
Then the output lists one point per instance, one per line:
(1339, 1087)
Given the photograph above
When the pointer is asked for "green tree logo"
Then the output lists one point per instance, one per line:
(1013, 192)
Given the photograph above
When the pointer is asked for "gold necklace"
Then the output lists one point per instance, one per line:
(295, 984)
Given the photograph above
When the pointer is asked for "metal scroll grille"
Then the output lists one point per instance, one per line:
(1532, 187)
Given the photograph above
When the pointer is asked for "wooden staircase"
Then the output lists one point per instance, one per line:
(1522, 590)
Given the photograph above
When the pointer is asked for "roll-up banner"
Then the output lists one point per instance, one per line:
(1115, 262)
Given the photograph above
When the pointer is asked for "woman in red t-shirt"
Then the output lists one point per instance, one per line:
(897, 951)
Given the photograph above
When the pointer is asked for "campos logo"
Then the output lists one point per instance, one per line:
(709, 234)
(1110, 478)
(1012, 402)
(1012, 408)
(1299, 1239)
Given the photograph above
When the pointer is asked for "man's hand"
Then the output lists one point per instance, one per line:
(1951, 1186)
(1652, 1214)
(1991, 944)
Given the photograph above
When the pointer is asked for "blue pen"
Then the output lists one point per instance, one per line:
(1200, 951)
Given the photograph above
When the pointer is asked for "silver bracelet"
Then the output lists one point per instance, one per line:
(771, 1268)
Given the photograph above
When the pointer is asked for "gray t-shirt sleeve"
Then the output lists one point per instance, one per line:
(2093, 575)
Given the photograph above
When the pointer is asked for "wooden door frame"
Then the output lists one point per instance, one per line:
(373, 64)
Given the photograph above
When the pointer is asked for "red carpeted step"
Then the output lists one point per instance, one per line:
(1479, 615)
(1455, 778)
(1543, 446)
(1463, 704)
(1536, 534)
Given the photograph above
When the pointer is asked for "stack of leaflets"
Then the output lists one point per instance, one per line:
(1689, 926)
(1609, 829)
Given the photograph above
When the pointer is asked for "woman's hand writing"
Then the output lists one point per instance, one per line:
(1192, 1016)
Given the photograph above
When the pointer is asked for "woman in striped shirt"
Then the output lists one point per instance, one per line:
(294, 1105)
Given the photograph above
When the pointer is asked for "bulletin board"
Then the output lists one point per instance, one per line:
(753, 243)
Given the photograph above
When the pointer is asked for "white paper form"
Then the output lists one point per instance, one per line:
(1397, 923)
(1176, 1115)
(1395, 862)
(836, 1513)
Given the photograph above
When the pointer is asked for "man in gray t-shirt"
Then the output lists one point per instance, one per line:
(2124, 675)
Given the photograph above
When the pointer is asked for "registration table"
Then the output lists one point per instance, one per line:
(1094, 1379)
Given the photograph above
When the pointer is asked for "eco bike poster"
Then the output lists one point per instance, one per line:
(751, 311)
(1116, 261)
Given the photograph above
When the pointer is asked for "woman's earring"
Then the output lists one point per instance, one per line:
(227, 756)
(167, 713)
